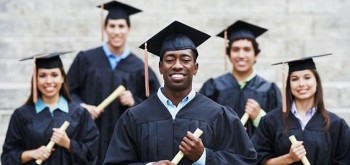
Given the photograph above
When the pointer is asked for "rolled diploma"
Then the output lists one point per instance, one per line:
(180, 155)
(244, 118)
(304, 158)
(111, 97)
(51, 143)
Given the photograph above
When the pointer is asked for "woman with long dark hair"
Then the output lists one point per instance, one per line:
(322, 136)
(37, 122)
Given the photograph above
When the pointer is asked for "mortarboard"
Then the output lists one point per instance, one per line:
(241, 29)
(296, 65)
(176, 36)
(302, 63)
(46, 61)
(118, 10)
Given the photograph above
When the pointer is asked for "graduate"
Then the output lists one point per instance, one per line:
(154, 131)
(243, 89)
(96, 73)
(323, 137)
(36, 123)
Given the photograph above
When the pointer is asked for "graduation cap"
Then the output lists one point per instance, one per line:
(241, 29)
(46, 61)
(118, 10)
(304, 63)
(176, 36)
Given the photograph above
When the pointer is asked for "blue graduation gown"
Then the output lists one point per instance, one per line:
(225, 90)
(28, 130)
(91, 80)
(323, 147)
(148, 133)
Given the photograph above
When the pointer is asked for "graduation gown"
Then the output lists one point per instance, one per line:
(147, 133)
(28, 130)
(225, 90)
(91, 80)
(322, 147)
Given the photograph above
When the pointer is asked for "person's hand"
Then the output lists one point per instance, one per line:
(163, 162)
(297, 151)
(252, 108)
(126, 98)
(94, 112)
(41, 153)
(192, 147)
(60, 138)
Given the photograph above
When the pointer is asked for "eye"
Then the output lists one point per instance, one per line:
(234, 49)
(294, 79)
(42, 75)
(247, 49)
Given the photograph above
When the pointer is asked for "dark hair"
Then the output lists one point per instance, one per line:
(254, 43)
(318, 101)
(63, 91)
(127, 21)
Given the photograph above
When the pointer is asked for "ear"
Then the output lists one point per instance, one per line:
(195, 68)
(160, 67)
(256, 57)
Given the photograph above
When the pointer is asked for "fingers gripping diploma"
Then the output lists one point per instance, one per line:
(192, 147)
(252, 108)
(126, 98)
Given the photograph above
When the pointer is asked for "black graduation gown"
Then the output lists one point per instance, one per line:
(147, 133)
(322, 147)
(91, 80)
(225, 90)
(28, 130)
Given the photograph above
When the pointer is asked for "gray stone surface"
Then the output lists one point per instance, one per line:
(296, 28)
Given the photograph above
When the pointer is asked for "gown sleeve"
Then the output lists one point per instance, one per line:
(13, 145)
(340, 134)
(275, 98)
(263, 140)
(123, 143)
(75, 77)
(84, 150)
(208, 89)
(233, 144)
(154, 84)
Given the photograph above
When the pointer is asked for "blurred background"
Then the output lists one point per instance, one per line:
(296, 28)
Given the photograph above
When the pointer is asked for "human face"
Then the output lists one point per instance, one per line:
(178, 68)
(242, 56)
(117, 31)
(50, 82)
(303, 85)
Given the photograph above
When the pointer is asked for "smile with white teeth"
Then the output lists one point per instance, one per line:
(177, 76)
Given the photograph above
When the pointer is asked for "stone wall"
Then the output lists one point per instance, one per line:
(296, 28)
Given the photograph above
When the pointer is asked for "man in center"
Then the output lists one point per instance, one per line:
(154, 131)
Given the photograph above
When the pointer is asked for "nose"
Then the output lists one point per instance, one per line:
(301, 83)
(177, 64)
(241, 53)
(48, 79)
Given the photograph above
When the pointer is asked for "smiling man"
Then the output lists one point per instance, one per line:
(154, 131)
(243, 89)
(97, 72)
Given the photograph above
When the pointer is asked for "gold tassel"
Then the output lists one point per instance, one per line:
(225, 46)
(102, 21)
(146, 71)
(284, 98)
(34, 90)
